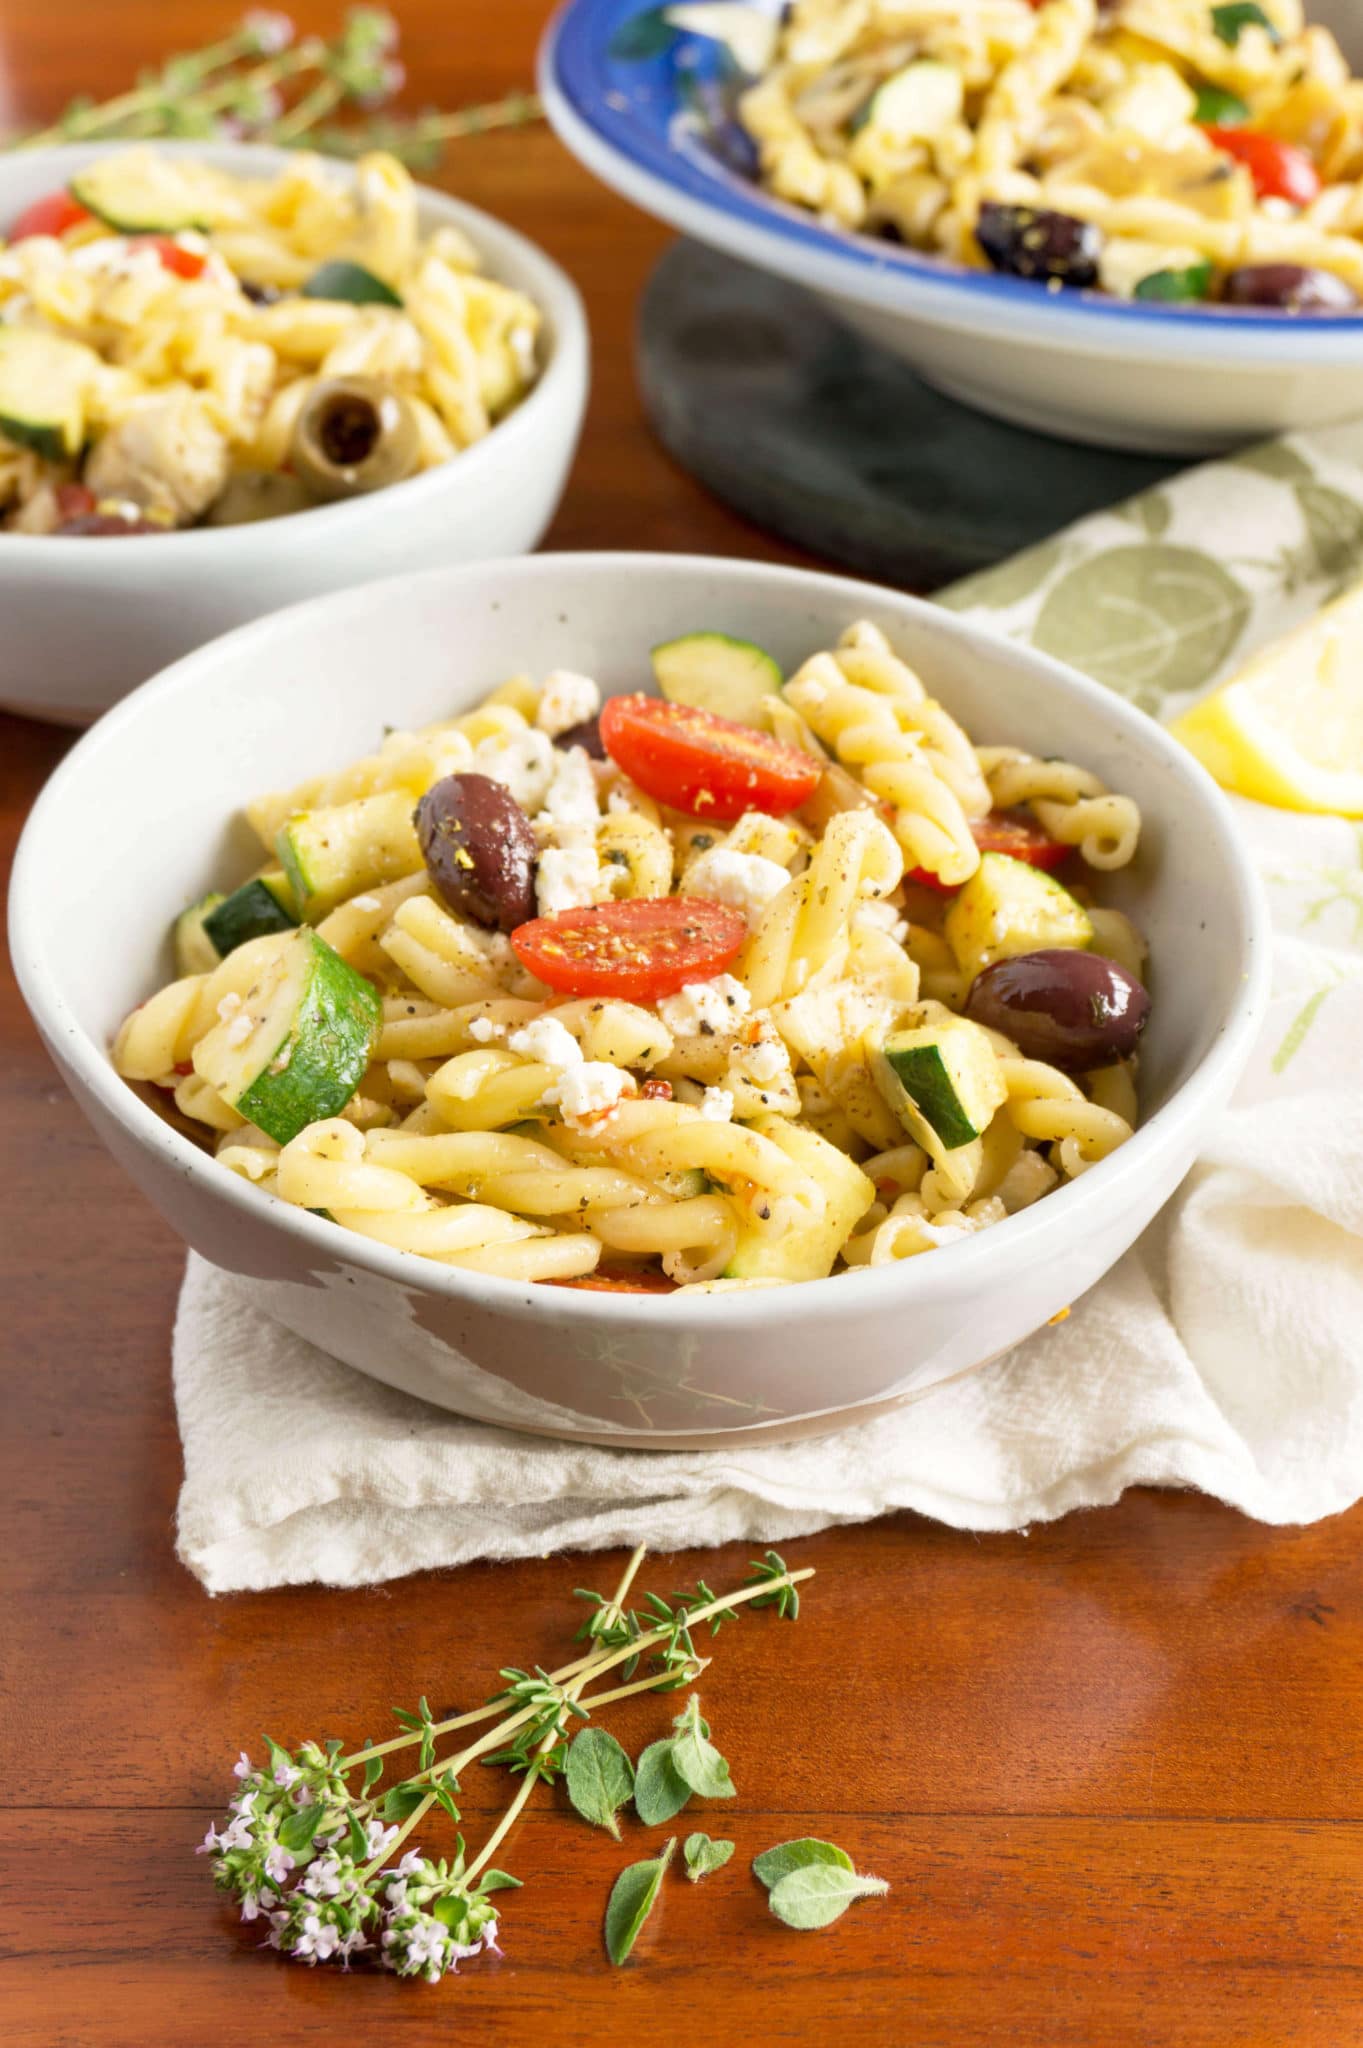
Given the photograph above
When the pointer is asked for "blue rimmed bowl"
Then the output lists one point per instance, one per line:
(644, 95)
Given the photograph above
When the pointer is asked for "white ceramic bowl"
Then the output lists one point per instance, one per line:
(154, 788)
(86, 620)
(1182, 379)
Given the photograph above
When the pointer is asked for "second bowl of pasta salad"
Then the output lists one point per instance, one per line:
(1135, 222)
(685, 960)
(283, 374)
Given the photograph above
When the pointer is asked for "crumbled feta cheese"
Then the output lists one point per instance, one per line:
(483, 1030)
(365, 903)
(571, 812)
(880, 917)
(766, 1061)
(229, 1006)
(521, 342)
(544, 1038)
(566, 699)
(522, 761)
(745, 881)
(565, 878)
(714, 1008)
(717, 1105)
(239, 1029)
(590, 1093)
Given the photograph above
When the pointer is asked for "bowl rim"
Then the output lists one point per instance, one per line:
(563, 370)
(626, 145)
(1007, 1244)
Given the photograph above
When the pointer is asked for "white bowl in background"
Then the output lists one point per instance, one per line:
(1181, 379)
(86, 620)
(156, 788)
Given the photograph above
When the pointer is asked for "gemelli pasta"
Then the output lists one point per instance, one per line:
(650, 994)
(1172, 150)
(178, 345)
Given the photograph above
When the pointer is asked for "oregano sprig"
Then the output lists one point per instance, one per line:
(312, 1839)
(262, 82)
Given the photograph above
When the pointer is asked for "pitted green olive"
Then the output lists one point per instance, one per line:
(354, 434)
(256, 494)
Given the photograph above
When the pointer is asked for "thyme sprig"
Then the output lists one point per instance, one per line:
(262, 82)
(310, 1839)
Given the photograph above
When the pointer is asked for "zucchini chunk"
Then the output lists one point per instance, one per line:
(712, 672)
(341, 279)
(334, 853)
(1007, 908)
(263, 905)
(195, 952)
(942, 1081)
(44, 383)
(140, 193)
(807, 1251)
(298, 1045)
(915, 104)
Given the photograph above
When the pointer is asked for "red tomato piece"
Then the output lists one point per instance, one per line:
(180, 262)
(1015, 833)
(75, 501)
(638, 1282)
(1280, 170)
(708, 766)
(52, 215)
(642, 949)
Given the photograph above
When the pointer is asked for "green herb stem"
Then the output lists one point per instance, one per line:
(592, 1665)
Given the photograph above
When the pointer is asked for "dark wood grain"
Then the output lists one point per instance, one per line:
(1113, 1769)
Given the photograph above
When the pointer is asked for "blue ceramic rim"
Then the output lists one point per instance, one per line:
(571, 63)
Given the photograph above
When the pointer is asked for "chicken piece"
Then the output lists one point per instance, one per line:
(165, 455)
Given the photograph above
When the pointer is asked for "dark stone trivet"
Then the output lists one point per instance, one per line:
(817, 435)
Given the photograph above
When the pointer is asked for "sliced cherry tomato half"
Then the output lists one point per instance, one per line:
(75, 501)
(181, 262)
(52, 215)
(707, 766)
(1015, 833)
(642, 949)
(637, 1282)
(1280, 170)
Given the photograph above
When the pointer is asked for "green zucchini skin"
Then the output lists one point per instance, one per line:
(922, 1074)
(333, 1034)
(341, 279)
(248, 913)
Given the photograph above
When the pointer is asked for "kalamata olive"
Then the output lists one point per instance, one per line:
(1035, 242)
(354, 434)
(1074, 1010)
(256, 494)
(479, 848)
(587, 735)
(1294, 287)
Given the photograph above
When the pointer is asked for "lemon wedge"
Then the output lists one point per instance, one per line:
(1288, 729)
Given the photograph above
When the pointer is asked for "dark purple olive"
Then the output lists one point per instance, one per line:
(1074, 1010)
(102, 525)
(1293, 287)
(587, 735)
(479, 849)
(1034, 242)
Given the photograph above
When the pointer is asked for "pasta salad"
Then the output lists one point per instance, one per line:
(647, 994)
(180, 347)
(1170, 150)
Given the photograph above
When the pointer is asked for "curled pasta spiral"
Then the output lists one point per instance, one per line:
(807, 928)
(874, 714)
(1070, 803)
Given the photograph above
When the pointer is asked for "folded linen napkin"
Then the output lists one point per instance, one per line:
(1222, 1352)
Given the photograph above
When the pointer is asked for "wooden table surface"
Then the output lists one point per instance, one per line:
(1113, 1770)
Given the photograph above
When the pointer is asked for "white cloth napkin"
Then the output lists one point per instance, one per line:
(1224, 1352)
